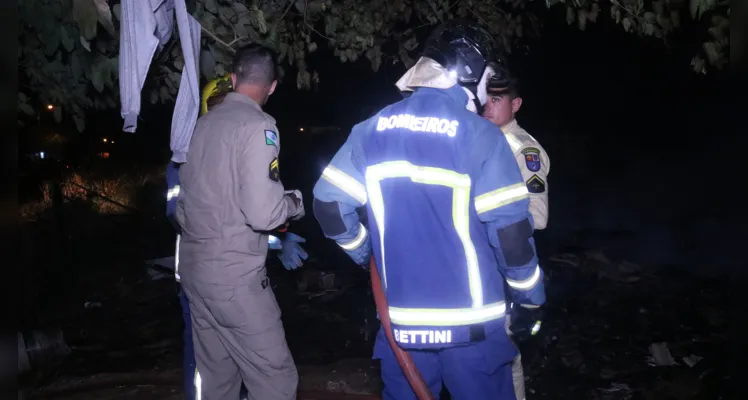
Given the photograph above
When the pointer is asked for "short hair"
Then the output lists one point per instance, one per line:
(255, 64)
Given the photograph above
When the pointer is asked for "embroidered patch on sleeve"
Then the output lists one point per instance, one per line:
(535, 184)
(274, 171)
(532, 158)
(271, 138)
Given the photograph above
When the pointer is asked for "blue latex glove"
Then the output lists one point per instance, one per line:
(291, 253)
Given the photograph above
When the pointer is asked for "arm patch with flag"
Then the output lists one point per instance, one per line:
(271, 138)
(532, 158)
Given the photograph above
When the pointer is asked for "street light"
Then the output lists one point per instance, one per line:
(50, 107)
(301, 129)
(104, 140)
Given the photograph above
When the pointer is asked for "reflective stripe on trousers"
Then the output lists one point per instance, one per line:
(198, 386)
(172, 193)
(176, 259)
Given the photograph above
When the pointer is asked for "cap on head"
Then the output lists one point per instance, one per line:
(503, 82)
(463, 48)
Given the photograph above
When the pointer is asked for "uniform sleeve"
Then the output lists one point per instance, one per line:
(502, 201)
(337, 194)
(261, 197)
(534, 164)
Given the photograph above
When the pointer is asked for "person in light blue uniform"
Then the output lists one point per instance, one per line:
(449, 225)
(291, 254)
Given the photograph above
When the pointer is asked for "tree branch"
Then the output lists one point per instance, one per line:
(290, 4)
(306, 5)
(433, 8)
(217, 40)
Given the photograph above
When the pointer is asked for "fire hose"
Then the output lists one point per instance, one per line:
(403, 358)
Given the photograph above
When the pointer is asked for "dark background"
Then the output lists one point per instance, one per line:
(643, 151)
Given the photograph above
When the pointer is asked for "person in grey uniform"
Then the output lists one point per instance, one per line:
(232, 197)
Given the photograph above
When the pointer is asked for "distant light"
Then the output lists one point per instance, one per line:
(301, 129)
(50, 107)
(104, 140)
(112, 141)
(41, 155)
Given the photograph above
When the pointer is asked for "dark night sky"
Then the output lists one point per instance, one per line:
(582, 83)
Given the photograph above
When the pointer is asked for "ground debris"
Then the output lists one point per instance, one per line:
(613, 330)
(354, 376)
(660, 355)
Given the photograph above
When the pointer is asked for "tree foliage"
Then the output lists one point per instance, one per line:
(68, 49)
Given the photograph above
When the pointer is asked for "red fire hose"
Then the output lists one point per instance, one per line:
(403, 358)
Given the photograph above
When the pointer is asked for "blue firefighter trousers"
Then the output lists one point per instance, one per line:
(189, 363)
(476, 371)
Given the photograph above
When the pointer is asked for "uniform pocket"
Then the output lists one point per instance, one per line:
(495, 352)
(250, 308)
(221, 303)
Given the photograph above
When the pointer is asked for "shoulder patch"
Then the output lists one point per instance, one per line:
(271, 138)
(535, 184)
(532, 158)
(274, 171)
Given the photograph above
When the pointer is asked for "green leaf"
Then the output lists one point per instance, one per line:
(51, 44)
(97, 77)
(211, 6)
(26, 109)
(68, 40)
(86, 44)
(105, 15)
(163, 93)
(374, 55)
(57, 113)
(80, 123)
(207, 64)
(117, 10)
(87, 17)
(75, 67)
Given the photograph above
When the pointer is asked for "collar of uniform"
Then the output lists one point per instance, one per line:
(455, 93)
(240, 98)
(511, 127)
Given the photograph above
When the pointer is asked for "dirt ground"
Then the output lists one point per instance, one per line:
(611, 331)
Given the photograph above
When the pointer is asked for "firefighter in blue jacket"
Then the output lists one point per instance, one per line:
(291, 254)
(449, 222)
